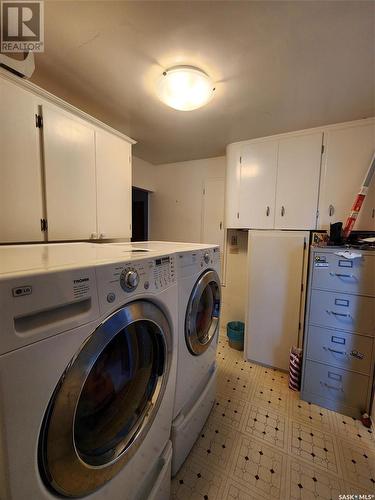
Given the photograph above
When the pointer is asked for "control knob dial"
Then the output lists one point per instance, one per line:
(129, 279)
(206, 257)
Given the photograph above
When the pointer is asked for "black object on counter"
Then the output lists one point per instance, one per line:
(335, 234)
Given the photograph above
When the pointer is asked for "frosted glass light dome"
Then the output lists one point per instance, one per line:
(185, 88)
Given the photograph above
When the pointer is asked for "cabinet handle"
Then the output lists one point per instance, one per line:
(373, 213)
(267, 211)
(238, 215)
(221, 225)
(328, 386)
(93, 236)
(341, 275)
(331, 210)
(102, 236)
(334, 351)
(338, 314)
(282, 211)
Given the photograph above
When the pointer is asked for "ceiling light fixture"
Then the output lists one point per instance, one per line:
(185, 88)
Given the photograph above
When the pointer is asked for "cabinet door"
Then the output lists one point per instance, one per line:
(348, 152)
(113, 170)
(297, 186)
(232, 186)
(366, 217)
(276, 270)
(257, 186)
(20, 171)
(69, 161)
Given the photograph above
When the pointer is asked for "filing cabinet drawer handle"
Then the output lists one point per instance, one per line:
(334, 351)
(338, 314)
(341, 275)
(328, 386)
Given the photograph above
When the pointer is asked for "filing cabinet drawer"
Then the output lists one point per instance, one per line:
(332, 272)
(337, 385)
(337, 348)
(343, 311)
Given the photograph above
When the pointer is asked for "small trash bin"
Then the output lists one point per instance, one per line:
(235, 333)
(295, 367)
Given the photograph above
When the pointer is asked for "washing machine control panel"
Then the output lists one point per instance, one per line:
(129, 279)
(209, 257)
(163, 272)
(136, 277)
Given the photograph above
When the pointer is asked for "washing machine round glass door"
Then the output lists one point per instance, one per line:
(106, 400)
(202, 314)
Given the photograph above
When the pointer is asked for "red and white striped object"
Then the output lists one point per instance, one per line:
(295, 365)
(358, 202)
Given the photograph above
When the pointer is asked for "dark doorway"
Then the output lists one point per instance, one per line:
(140, 214)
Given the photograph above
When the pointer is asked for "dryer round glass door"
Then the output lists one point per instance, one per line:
(202, 314)
(106, 400)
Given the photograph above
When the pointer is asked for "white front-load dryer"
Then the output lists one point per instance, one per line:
(199, 301)
(87, 379)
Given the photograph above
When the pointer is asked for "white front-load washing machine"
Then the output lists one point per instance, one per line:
(199, 299)
(87, 373)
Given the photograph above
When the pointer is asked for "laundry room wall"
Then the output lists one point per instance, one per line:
(177, 205)
(176, 214)
(235, 276)
(144, 174)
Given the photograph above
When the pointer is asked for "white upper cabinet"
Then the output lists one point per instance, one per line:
(366, 218)
(70, 179)
(274, 182)
(258, 170)
(21, 207)
(348, 152)
(232, 185)
(63, 174)
(113, 170)
(297, 184)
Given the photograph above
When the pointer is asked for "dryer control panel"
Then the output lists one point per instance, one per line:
(121, 280)
(194, 262)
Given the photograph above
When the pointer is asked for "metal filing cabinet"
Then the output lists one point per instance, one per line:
(339, 356)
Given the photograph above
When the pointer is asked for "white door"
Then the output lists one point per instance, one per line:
(113, 170)
(213, 212)
(276, 270)
(258, 183)
(21, 207)
(348, 152)
(297, 187)
(69, 159)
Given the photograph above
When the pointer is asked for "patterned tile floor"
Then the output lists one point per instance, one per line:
(262, 442)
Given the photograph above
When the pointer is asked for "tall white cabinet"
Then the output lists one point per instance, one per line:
(277, 268)
(21, 205)
(63, 174)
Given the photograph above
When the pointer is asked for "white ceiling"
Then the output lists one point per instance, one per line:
(278, 66)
